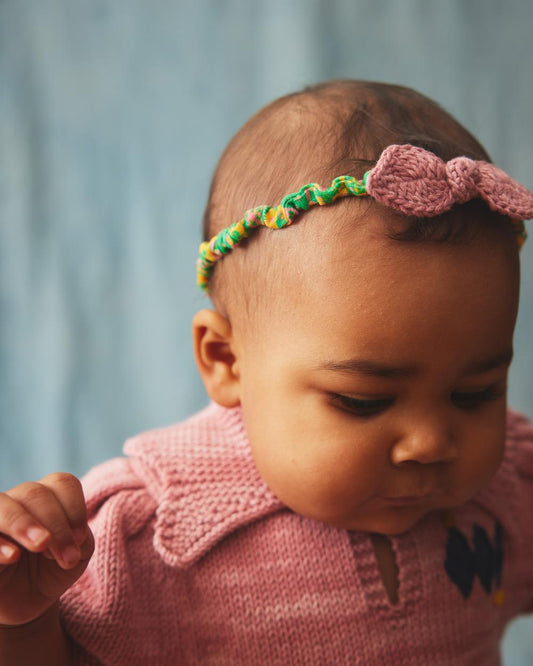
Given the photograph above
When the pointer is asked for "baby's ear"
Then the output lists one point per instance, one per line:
(215, 357)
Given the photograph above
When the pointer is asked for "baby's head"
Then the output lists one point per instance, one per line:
(368, 349)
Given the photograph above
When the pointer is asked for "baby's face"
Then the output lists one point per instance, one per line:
(376, 391)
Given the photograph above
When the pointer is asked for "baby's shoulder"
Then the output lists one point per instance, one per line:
(117, 498)
(199, 473)
(108, 479)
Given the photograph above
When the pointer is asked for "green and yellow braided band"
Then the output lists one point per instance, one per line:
(274, 217)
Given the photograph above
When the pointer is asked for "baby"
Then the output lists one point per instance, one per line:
(356, 492)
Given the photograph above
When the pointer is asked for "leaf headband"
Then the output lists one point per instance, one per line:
(409, 179)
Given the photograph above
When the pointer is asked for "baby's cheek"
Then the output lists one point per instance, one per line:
(490, 464)
(478, 467)
(340, 482)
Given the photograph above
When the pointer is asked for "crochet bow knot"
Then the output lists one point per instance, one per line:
(417, 182)
(462, 175)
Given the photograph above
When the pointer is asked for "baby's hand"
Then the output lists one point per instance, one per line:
(45, 545)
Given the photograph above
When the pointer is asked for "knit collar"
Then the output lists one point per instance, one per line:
(205, 483)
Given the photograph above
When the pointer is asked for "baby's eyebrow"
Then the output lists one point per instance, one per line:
(357, 366)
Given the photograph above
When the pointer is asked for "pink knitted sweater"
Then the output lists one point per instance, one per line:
(197, 562)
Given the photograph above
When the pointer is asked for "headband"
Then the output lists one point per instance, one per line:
(409, 179)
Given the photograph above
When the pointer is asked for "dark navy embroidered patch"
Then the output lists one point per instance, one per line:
(485, 559)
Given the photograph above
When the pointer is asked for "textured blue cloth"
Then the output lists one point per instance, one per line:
(112, 116)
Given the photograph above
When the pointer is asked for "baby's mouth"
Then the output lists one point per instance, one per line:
(406, 500)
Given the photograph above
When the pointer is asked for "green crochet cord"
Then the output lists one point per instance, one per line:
(274, 217)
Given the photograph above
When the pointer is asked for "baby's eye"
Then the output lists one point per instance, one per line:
(360, 406)
(473, 399)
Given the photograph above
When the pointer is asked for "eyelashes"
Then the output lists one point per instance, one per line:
(464, 400)
(360, 407)
(472, 399)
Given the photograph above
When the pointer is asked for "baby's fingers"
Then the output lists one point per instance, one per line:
(21, 529)
(9, 552)
(69, 493)
(52, 517)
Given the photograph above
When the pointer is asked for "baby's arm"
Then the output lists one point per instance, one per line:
(45, 545)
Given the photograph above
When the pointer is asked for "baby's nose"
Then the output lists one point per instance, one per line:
(430, 441)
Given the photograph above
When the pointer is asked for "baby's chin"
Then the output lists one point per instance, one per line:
(399, 521)
(396, 520)
(393, 518)
(390, 522)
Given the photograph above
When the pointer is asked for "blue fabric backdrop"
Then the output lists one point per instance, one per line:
(112, 115)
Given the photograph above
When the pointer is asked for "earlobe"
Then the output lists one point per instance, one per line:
(215, 357)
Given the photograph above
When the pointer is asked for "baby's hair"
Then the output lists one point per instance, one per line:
(324, 131)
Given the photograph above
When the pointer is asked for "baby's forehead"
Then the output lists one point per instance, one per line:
(361, 292)
(354, 239)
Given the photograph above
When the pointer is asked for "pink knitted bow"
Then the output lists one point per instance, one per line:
(417, 182)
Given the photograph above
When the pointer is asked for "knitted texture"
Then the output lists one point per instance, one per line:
(417, 182)
(197, 562)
